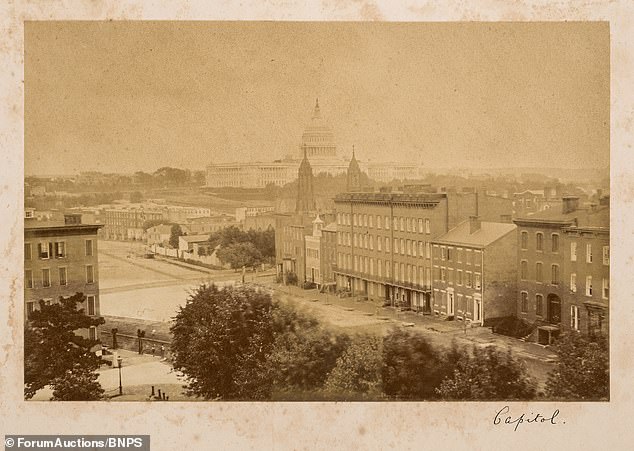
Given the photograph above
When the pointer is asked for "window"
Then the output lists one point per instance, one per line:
(589, 286)
(538, 272)
(387, 244)
(371, 242)
(443, 253)
(91, 305)
(524, 301)
(27, 251)
(46, 278)
(402, 272)
(379, 244)
(539, 241)
(378, 221)
(554, 242)
(606, 288)
(428, 276)
(574, 317)
(449, 249)
(338, 218)
(90, 276)
(387, 223)
(396, 245)
(468, 283)
(420, 225)
(427, 226)
(554, 270)
(395, 271)
(427, 249)
(402, 246)
(477, 280)
(524, 240)
(539, 304)
(365, 220)
(62, 276)
(523, 269)
(408, 224)
(30, 308)
(88, 248)
(588, 253)
(44, 250)
(402, 224)
(443, 275)
(573, 282)
(60, 249)
(459, 278)
(354, 219)
(28, 278)
(606, 255)
(468, 256)
(92, 333)
(409, 247)
(414, 248)
(573, 251)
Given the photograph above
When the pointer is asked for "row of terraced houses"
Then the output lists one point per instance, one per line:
(460, 256)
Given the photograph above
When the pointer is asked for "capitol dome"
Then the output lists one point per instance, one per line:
(318, 141)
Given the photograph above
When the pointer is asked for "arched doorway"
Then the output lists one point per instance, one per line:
(554, 309)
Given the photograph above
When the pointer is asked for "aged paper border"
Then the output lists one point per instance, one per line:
(322, 425)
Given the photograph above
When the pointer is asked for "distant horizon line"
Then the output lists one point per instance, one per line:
(430, 169)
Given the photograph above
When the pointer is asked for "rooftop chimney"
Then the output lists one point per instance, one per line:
(474, 224)
(570, 204)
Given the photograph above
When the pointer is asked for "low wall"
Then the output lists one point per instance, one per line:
(131, 343)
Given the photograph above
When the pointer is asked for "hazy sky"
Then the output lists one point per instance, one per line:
(122, 97)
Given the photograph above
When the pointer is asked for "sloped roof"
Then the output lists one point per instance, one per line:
(332, 227)
(487, 234)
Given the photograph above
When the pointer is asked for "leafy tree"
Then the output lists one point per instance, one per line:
(263, 241)
(412, 368)
(172, 176)
(78, 384)
(302, 358)
(239, 255)
(221, 340)
(55, 355)
(487, 374)
(583, 370)
(358, 369)
(175, 233)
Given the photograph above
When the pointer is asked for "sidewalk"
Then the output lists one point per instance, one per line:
(444, 331)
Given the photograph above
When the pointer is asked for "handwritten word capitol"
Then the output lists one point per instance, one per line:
(503, 417)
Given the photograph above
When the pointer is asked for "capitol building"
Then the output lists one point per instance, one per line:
(318, 145)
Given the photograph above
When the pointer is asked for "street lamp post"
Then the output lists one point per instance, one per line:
(119, 361)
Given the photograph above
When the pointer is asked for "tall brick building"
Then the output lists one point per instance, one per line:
(384, 239)
(60, 259)
(564, 269)
(474, 271)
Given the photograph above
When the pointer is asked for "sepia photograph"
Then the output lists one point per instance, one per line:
(317, 211)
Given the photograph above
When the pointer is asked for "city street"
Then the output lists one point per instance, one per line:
(151, 289)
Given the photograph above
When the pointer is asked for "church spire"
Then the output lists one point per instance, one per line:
(305, 194)
(353, 176)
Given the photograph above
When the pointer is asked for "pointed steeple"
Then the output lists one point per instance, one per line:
(353, 176)
(305, 195)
